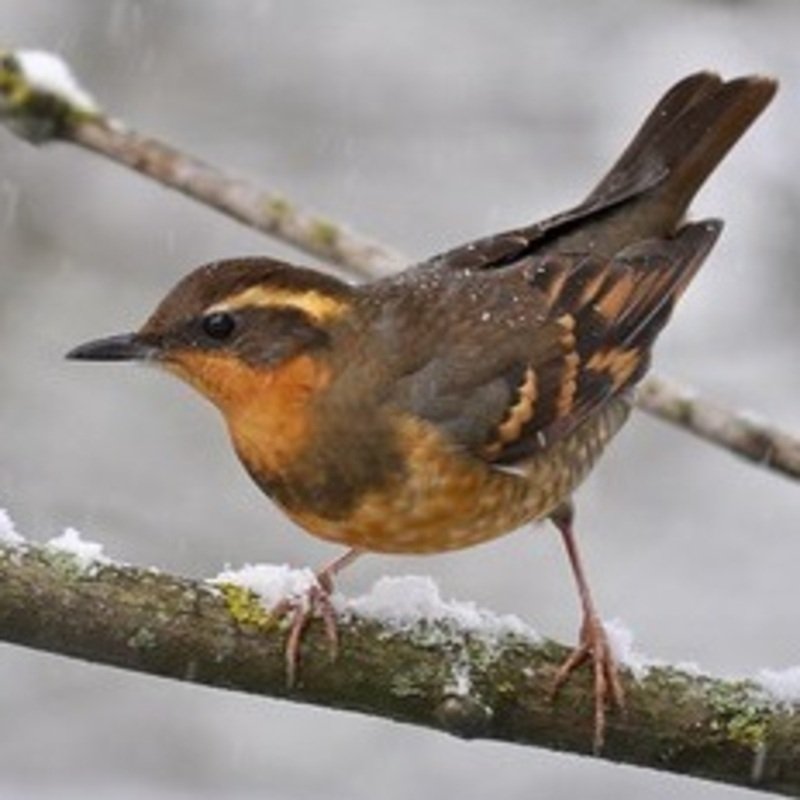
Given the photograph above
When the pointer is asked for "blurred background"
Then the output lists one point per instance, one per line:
(424, 125)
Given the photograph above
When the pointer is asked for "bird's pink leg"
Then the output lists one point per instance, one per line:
(593, 643)
(315, 602)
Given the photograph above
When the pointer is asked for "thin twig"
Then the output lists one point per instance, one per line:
(267, 211)
(431, 673)
(40, 116)
(743, 434)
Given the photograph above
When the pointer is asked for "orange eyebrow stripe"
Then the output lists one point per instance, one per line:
(317, 305)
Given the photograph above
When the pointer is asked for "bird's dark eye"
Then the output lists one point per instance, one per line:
(219, 325)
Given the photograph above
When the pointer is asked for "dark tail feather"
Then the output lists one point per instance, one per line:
(647, 191)
(640, 164)
(684, 138)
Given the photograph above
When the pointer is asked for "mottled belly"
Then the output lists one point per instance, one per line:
(448, 501)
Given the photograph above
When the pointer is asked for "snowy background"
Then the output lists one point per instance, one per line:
(424, 125)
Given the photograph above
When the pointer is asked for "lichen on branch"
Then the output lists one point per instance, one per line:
(457, 669)
(40, 99)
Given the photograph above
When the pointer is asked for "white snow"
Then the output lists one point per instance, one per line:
(404, 602)
(461, 679)
(8, 533)
(271, 582)
(621, 640)
(87, 554)
(48, 73)
(782, 684)
(399, 602)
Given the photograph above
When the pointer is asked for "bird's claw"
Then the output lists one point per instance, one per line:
(608, 691)
(298, 611)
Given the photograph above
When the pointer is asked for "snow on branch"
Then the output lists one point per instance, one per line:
(405, 654)
(40, 100)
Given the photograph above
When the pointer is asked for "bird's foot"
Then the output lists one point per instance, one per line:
(608, 692)
(298, 611)
(315, 601)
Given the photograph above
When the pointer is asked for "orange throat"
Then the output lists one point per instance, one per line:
(268, 410)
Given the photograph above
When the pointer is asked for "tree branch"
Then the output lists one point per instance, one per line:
(264, 210)
(434, 673)
(743, 434)
(40, 113)
(37, 111)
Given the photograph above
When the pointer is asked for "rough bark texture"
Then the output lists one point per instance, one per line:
(431, 674)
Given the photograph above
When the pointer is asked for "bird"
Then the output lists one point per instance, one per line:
(471, 393)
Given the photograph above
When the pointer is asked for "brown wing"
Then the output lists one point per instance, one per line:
(609, 313)
(520, 336)
(506, 391)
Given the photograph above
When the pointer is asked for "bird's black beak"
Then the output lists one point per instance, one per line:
(125, 347)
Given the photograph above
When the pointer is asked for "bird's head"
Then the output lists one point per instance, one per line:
(237, 329)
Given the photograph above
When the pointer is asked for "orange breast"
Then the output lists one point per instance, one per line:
(442, 498)
(267, 410)
(446, 500)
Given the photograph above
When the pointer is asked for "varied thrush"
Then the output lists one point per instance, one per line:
(470, 394)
